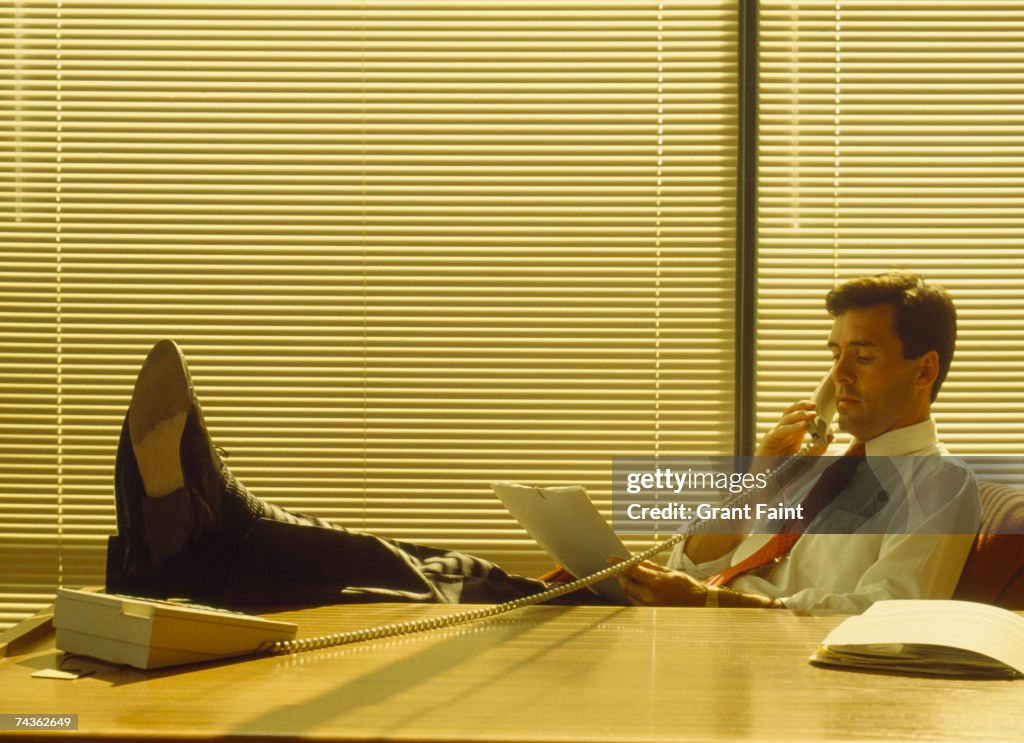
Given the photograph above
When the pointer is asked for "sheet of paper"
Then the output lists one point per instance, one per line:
(979, 628)
(565, 523)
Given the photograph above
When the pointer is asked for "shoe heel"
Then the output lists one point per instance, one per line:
(156, 419)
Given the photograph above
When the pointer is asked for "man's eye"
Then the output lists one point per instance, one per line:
(865, 359)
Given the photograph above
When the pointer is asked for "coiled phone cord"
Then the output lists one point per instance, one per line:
(286, 647)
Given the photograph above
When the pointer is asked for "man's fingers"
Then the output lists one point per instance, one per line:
(651, 571)
(659, 568)
(792, 426)
(799, 405)
(796, 418)
(639, 593)
(792, 430)
(644, 572)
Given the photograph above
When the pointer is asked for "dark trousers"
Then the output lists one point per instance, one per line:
(286, 558)
(294, 559)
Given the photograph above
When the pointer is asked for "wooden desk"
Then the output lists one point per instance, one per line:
(544, 673)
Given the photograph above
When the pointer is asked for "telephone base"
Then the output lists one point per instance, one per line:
(150, 633)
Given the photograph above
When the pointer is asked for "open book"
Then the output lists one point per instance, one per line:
(949, 638)
(565, 523)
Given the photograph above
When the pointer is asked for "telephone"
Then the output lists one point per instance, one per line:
(819, 429)
(825, 402)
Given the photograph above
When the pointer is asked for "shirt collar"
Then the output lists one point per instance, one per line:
(904, 441)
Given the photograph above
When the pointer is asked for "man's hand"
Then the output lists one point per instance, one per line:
(786, 438)
(650, 584)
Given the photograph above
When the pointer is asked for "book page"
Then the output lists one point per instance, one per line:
(962, 625)
(565, 523)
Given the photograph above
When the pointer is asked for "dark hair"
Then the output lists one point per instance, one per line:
(924, 318)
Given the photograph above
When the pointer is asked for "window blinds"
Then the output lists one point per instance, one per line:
(408, 247)
(890, 136)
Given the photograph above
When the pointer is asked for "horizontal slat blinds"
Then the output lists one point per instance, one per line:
(408, 247)
(890, 136)
(31, 440)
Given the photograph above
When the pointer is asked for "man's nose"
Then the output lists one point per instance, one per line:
(842, 372)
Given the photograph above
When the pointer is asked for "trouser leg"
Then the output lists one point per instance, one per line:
(194, 531)
(293, 559)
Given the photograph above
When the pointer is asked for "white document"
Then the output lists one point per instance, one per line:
(566, 525)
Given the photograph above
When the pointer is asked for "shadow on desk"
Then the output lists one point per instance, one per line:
(446, 650)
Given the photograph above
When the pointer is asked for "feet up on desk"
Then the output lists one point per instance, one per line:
(181, 514)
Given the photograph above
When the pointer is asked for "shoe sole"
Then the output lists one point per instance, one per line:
(156, 419)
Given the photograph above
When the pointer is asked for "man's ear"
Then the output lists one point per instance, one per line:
(928, 369)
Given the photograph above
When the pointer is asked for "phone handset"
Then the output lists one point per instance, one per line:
(825, 403)
(819, 428)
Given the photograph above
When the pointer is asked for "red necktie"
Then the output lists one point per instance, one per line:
(835, 477)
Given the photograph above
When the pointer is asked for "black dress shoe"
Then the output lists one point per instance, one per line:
(181, 514)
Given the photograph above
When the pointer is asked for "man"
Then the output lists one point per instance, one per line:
(188, 528)
(892, 342)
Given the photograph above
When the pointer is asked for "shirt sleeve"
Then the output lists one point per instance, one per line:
(909, 566)
(924, 564)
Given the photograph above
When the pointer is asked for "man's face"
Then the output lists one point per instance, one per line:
(877, 390)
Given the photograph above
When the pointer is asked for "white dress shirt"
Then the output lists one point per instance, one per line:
(851, 570)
